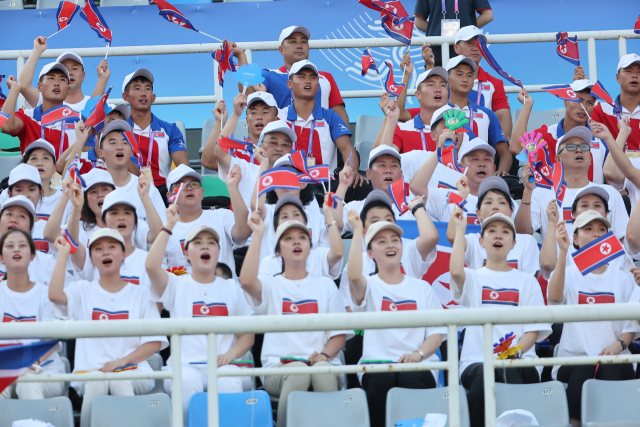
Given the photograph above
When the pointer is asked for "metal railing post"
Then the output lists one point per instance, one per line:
(454, 388)
(445, 54)
(176, 381)
(19, 67)
(489, 376)
(212, 379)
(593, 65)
(217, 89)
(249, 54)
(622, 46)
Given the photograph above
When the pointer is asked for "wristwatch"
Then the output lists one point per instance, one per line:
(421, 354)
(416, 207)
(624, 345)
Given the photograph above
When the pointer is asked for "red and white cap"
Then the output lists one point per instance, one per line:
(141, 72)
(24, 172)
(53, 66)
(20, 201)
(456, 60)
(305, 63)
(475, 144)
(41, 143)
(627, 60)
(580, 85)
(67, 54)
(293, 29)
(468, 32)
(260, 96)
(435, 71)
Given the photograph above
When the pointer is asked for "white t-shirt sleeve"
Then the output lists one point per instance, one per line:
(411, 162)
(418, 266)
(158, 203)
(537, 210)
(140, 235)
(530, 256)
(534, 298)
(228, 220)
(470, 290)
(74, 301)
(168, 297)
(618, 215)
(370, 281)
(436, 205)
(261, 307)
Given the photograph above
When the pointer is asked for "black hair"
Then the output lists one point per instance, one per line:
(307, 195)
(226, 271)
(54, 71)
(118, 112)
(138, 79)
(377, 204)
(27, 154)
(574, 206)
(39, 188)
(276, 215)
(4, 237)
(86, 214)
(135, 215)
(278, 248)
(497, 191)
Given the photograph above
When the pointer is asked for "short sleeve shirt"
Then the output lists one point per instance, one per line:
(492, 93)
(605, 114)
(328, 95)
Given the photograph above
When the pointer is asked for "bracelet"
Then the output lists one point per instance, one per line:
(416, 207)
(525, 203)
(167, 230)
(325, 354)
(329, 225)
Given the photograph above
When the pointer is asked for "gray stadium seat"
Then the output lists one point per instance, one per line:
(183, 130)
(11, 4)
(346, 408)
(347, 248)
(547, 401)
(539, 118)
(7, 163)
(124, 2)
(53, 4)
(150, 410)
(408, 404)
(367, 128)
(56, 411)
(364, 148)
(610, 403)
(155, 361)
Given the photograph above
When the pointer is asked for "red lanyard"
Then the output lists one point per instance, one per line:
(152, 137)
(313, 126)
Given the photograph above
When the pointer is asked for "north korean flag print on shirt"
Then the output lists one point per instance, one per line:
(308, 306)
(131, 279)
(596, 297)
(101, 314)
(500, 296)
(390, 305)
(8, 318)
(201, 309)
(32, 130)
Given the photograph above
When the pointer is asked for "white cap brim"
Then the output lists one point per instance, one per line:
(435, 71)
(287, 225)
(377, 227)
(278, 126)
(284, 34)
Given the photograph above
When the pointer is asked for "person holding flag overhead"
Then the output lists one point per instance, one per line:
(602, 285)
(167, 142)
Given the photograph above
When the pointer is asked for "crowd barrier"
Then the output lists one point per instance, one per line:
(316, 322)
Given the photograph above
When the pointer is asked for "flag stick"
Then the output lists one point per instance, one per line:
(56, 32)
(105, 57)
(210, 36)
(585, 110)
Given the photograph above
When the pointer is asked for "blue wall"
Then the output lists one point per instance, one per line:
(533, 63)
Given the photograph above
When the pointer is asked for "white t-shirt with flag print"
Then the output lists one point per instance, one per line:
(497, 290)
(411, 264)
(525, 255)
(281, 296)
(185, 298)
(590, 338)
(317, 265)
(45, 205)
(391, 344)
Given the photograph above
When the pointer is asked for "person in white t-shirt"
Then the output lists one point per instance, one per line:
(27, 301)
(496, 286)
(116, 152)
(621, 171)
(493, 196)
(603, 285)
(19, 212)
(106, 299)
(294, 292)
(199, 295)
(390, 290)
(231, 226)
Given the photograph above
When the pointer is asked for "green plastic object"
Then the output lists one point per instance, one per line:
(8, 142)
(10, 153)
(453, 120)
(213, 186)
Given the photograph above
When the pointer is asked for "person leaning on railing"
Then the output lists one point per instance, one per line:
(293, 292)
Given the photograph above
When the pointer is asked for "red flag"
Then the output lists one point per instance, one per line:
(171, 14)
(636, 27)
(596, 297)
(601, 93)
(389, 85)
(456, 199)
(368, 63)
(66, 12)
(283, 178)
(91, 14)
(568, 48)
(224, 56)
(133, 142)
(563, 92)
(3, 118)
(399, 192)
(16, 359)
(598, 253)
(96, 118)
(58, 114)
(559, 184)
(320, 173)
(449, 158)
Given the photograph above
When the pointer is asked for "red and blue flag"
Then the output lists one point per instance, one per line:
(320, 173)
(596, 297)
(456, 199)
(171, 14)
(636, 27)
(98, 113)
(564, 92)
(399, 192)
(389, 85)
(368, 63)
(282, 178)
(10, 318)
(227, 143)
(308, 306)
(3, 118)
(101, 314)
(16, 359)
(568, 48)
(559, 184)
(224, 56)
(390, 305)
(299, 161)
(502, 296)
(449, 158)
(541, 167)
(133, 142)
(176, 193)
(395, 20)
(69, 239)
(91, 14)
(482, 44)
(74, 172)
(597, 253)
(202, 309)
(59, 114)
(2, 95)
(66, 12)
(601, 93)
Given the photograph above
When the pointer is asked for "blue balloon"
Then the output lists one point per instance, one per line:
(249, 75)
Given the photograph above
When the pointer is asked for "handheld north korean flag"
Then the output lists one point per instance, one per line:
(91, 14)
(390, 86)
(283, 178)
(564, 92)
(368, 63)
(65, 13)
(567, 48)
(172, 14)
(399, 192)
(598, 253)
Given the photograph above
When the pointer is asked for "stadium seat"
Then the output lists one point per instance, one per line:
(124, 2)
(8, 161)
(347, 248)
(183, 130)
(251, 408)
(213, 186)
(56, 411)
(367, 128)
(408, 404)
(11, 4)
(610, 403)
(53, 4)
(364, 148)
(539, 118)
(547, 401)
(155, 361)
(149, 410)
(345, 408)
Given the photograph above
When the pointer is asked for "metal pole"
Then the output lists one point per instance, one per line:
(622, 46)
(489, 376)
(454, 388)
(445, 54)
(212, 379)
(249, 54)
(176, 381)
(217, 89)
(19, 67)
(593, 65)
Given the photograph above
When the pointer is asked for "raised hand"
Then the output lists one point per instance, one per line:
(40, 44)
(354, 219)
(103, 70)
(234, 177)
(552, 212)
(172, 216)
(406, 65)
(562, 237)
(62, 246)
(415, 201)
(239, 104)
(428, 56)
(255, 223)
(143, 186)
(463, 186)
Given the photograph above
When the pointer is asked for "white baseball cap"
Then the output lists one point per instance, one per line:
(24, 172)
(377, 227)
(98, 176)
(475, 144)
(287, 225)
(435, 71)
(278, 126)
(193, 233)
(119, 196)
(105, 232)
(41, 143)
(20, 201)
(456, 60)
(468, 32)
(293, 29)
(581, 132)
(381, 150)
(586, 217)
(141, 72)
(70, 55)
(53, 66)
(439, 113)
(265, 97)
(580, 85)
(627, 60)
(305, 63)
(498, 216)
(180, 172)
